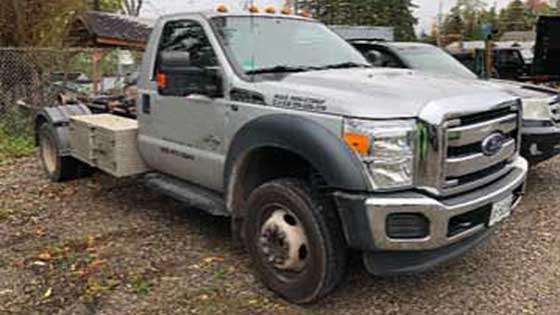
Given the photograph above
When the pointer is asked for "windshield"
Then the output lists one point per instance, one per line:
(434, 60)
(272, 44)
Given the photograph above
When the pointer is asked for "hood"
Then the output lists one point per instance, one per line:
(524, 90)
(380, 93)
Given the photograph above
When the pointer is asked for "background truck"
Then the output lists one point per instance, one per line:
(310, 154)
(510, 60)
(547, 48)
(541, 105)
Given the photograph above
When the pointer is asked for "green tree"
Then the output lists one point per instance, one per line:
(25, 23)
(454, 23)
(396, 13)
(403, 19)
(515, 17)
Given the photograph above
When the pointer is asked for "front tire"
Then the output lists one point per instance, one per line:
(58, 168)
(295, 240)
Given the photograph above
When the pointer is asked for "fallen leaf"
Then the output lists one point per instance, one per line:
(47, 294)
(46, 256)
(91, 241)
(212, 259)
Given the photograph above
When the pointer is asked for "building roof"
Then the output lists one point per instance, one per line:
(364, 32)
(519, 37)
(474, 45)
(102, 29)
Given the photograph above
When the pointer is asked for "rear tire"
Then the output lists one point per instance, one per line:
(295, 241)
(58, 168)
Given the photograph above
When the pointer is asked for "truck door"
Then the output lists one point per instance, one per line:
(182, 130)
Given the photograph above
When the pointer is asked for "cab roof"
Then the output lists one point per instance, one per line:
(210, 14)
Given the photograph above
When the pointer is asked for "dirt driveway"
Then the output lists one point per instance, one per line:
(105, 246)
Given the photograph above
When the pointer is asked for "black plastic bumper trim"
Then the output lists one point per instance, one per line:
(413, 262)
(547, 140)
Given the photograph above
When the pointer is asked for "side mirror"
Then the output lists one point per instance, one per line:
(374, 57)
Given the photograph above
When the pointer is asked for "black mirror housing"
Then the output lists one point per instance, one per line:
(374, 57)
(184, 79)
(174, 60)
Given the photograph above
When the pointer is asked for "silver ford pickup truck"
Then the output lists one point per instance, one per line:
(273, 120)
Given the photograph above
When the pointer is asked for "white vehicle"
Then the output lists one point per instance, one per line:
(278, 123)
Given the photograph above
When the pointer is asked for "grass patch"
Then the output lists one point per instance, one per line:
(140, 285)
(15, 147)
(16, 137)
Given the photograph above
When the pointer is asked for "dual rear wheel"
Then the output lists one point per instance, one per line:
(57, 167)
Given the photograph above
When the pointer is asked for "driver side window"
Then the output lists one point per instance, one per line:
(187, 39)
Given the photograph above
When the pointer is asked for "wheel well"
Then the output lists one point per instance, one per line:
(263, 165)
(39, 121)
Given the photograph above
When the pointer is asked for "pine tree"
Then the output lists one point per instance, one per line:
(515, 17)
(454, 23)
(403, 20)
(396, 13)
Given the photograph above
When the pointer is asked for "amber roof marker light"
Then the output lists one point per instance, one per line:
(306, 14)
(287, 11)
(222, 8)
(254, 9)
(270, 10)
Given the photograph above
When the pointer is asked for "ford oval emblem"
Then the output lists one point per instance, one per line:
(492, 144)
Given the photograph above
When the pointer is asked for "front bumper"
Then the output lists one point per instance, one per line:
(540, 143)
(365, 226)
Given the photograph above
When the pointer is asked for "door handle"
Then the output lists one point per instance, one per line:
(146, 104)
(199, 97)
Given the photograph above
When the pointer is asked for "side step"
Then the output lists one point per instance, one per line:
(188, 194)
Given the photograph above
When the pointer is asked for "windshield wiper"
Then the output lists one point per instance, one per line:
(345, 65)
(278, 69)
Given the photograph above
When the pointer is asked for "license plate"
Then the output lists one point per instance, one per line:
(501, 210)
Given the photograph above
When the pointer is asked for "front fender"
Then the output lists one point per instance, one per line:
(324, 150)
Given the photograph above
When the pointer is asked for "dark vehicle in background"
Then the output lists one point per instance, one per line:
(547, 49)
(510, 62)
(541, 105)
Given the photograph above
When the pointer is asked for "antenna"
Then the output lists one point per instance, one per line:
(439, 22)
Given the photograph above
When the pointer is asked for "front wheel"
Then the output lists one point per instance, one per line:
(295, 241)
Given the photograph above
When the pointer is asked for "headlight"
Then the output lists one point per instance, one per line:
(536, 109)
(387, 148)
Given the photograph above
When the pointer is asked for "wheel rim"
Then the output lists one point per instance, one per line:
(48, 153)
(283, 243)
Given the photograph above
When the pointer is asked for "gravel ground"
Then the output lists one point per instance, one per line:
(106, 246)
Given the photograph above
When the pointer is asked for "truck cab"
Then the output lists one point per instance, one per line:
(275, 121)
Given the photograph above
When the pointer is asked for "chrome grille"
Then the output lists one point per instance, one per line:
(465, 164)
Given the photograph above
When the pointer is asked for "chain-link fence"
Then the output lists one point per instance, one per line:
(37, 76)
